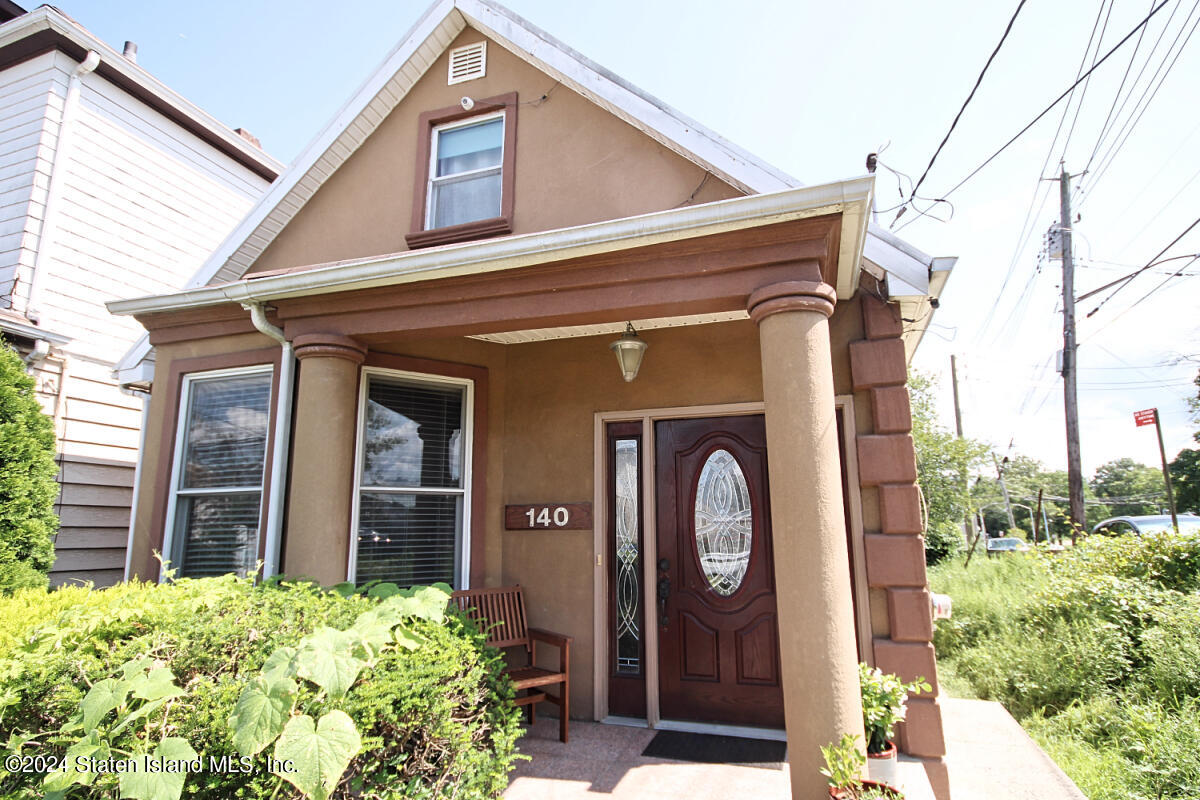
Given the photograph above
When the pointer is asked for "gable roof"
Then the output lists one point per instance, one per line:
(407, 63)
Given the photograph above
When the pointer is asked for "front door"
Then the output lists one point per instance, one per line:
(718, 633)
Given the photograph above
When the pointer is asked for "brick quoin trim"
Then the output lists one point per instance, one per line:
(895, 554)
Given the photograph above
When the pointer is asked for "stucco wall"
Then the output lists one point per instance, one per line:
(575, 163)
(542, 399)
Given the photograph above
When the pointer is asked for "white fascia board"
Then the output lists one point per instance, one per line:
(134, 355)
(30, 331)
(49, 18)
(851, 198)
(903, 263)
(138, 376)
(321, 143)
(669, 127)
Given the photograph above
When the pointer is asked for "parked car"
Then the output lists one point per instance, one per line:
(1117, 526)
(1006, 544)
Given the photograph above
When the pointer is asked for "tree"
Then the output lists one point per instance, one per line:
(27, 479)
(1124, 477)
(1185, 469)
(943, 463)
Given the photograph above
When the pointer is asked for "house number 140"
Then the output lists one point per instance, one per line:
(561, 517)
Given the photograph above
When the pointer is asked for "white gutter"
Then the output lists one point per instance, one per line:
(850, 198)
(58, 169)
(283, 427)
(137, 477)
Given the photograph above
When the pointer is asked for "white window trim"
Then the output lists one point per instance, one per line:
(433, 152)
(173, 491)
(468, 442)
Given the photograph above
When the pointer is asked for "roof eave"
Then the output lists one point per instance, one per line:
(851, 199)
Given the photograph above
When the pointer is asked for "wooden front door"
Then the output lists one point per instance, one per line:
(718, 632)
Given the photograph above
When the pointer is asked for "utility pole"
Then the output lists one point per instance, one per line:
(1070, 394)
(969, 523)
(1040, 512)
(1012, 522)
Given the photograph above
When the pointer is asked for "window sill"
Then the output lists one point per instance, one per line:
(466, 232)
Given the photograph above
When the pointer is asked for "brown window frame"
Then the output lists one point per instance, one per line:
(420, 236)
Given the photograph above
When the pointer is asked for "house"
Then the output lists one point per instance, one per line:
(400, 366)
(112, 185)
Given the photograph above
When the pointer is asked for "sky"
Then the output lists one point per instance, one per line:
(813, 88)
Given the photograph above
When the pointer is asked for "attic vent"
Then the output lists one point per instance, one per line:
(468, 63)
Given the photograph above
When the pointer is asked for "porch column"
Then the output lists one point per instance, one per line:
(317, 541)
(818, 656)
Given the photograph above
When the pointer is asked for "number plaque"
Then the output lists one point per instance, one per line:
(548, 517)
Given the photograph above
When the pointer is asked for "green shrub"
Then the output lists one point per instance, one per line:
(943, 540)
(435, 721)
(27, 479)
(1171, 652)
(989, 597)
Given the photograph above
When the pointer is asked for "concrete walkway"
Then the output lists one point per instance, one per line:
(990, 757)
(606, 761)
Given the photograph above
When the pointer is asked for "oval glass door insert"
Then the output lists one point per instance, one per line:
(724, 522)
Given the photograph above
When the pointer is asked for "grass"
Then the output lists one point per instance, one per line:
(1094, 652)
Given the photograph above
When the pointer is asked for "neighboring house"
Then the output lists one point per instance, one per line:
(399, 367)
(110, 185)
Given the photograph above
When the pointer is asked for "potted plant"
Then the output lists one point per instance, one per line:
(843, 767)
(883, 701)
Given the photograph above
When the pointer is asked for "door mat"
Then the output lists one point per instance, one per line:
(708, 749)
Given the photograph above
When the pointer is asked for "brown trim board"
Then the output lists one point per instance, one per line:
(690, 276)
(419, 236)
(173, 388)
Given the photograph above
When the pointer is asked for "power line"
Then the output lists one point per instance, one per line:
(963, 108)
(1027, 225)
(1058, 100)
(1130, 125)
(1126, 280)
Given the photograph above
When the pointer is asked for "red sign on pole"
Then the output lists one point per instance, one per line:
(1146, 417)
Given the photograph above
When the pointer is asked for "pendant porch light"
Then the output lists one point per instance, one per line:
(629, 350)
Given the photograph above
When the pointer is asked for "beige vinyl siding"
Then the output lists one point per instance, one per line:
(143, 202)
(30, 110)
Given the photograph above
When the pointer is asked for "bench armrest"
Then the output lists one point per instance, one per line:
(556, 639)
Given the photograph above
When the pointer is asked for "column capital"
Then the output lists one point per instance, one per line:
(815, 296)
(329, 345)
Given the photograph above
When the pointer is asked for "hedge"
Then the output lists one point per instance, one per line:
(386, 696)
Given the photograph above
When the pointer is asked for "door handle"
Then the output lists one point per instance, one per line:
(664, 591)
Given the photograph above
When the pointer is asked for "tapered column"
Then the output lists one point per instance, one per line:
(812, 573)
(317, 542)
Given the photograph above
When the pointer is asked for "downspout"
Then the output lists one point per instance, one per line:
(137, 476)
(283, 427)
(58, 169)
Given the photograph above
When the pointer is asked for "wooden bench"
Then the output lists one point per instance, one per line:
(500, 612)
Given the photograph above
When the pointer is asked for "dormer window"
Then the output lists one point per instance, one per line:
(464, 188)
(465, 172)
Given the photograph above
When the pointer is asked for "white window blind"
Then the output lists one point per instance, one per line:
(466, 172)
(220, 461)
(413, 481)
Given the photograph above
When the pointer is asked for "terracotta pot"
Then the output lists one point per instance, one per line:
(883, 767)
(891, 790)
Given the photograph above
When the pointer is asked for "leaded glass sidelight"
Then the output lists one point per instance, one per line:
(724, 522)
(627, 516)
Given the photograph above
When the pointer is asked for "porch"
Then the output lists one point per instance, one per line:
(988, 757)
